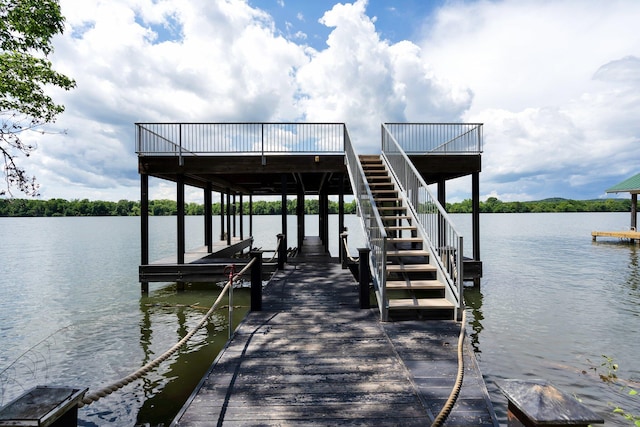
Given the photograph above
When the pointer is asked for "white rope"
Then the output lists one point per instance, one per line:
(275, 253)
(95, 396)
(346, 251)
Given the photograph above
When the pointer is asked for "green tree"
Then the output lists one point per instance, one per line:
(26, 30)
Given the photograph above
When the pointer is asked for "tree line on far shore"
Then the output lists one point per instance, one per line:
(162, 207)
(60, 207)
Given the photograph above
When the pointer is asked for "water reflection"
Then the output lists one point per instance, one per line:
(634, 274)
(167, 387)
(473, 300)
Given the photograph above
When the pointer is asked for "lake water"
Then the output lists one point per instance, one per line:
(551, 303)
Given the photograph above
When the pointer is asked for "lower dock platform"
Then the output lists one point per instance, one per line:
(311, 357)
(632, 235)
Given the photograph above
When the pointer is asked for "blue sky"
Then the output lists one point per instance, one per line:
(394, 20)
(556, 83)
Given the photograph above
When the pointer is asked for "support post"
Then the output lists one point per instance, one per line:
(634, 211)
(324, 219)
(228, 217)
(538, 403)
(475, 221)
(241, 219)
(282, 251)
(364, 277)
(222, 237)
(181, 226)
(342, 250)
(208, 218)
(256, 281)
(251, 215)
(283, 182)
(233, 214)
(300, 216)
(475, 214)
(341, 227)
(442, 199)
(144, 226)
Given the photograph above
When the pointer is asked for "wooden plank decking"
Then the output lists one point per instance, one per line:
(629, 234)
(312, 357)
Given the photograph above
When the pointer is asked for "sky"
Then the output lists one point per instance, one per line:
(555, 82)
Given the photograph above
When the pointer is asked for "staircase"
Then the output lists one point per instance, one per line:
(411, 282)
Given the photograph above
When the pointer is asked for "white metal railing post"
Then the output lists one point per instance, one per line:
(264, 159)
(180, 160)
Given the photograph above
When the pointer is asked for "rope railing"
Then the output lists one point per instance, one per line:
(346, 251)
(455, 391)
(277, 250)
(139, 373)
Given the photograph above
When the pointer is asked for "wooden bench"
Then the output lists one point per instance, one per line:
(44, 406)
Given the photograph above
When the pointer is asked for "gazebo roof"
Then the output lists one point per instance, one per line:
(630, 185)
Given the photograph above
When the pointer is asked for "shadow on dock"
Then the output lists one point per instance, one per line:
(312, 357)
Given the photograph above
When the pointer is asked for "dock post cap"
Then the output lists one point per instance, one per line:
(43, 406)
(537, 402)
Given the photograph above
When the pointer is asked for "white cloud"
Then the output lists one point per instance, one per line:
(556, 84)
(365, 81)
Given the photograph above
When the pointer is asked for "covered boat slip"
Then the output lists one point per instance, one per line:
(245, 160)
(631, 186)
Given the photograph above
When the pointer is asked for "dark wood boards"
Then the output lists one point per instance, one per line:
(312, 357)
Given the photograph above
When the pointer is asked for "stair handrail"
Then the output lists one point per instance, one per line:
(444, 241)
(373, 227)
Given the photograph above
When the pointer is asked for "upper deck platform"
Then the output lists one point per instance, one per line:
(250, 158)
(246, 158)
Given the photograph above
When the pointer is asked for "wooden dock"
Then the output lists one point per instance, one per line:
(631, 235)
(199, 264)
(312, 357)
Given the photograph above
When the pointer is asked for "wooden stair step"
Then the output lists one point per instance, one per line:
(401, 228)
(404, 239)
(410, 268)
(394, 217)
(419, 303)
(407, 253)
(392, 208)
(406, 285)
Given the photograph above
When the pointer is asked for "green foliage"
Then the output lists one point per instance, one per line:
(493, 205)
(162, 207)
(610, 376)
(26, 30)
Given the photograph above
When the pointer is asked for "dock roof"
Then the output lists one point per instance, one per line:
(630, 185)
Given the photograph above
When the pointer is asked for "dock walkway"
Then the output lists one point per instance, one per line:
(312, 357)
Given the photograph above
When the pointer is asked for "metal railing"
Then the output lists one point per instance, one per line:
(189, 139)
(374, 231)
(437, 138)
(444, 241)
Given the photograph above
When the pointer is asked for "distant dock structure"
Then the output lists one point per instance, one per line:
(632, 186)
